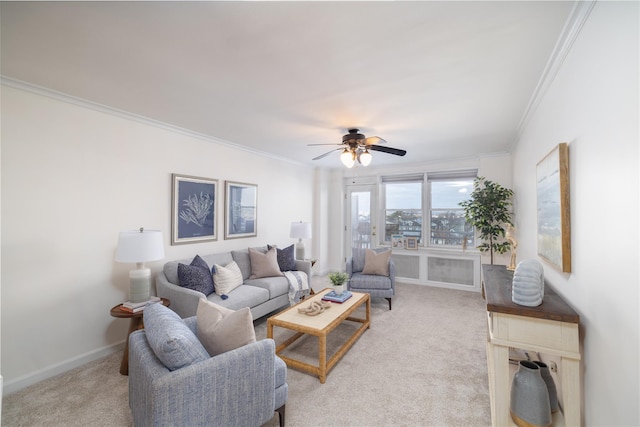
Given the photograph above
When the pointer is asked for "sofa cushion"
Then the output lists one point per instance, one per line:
(376, 263)
(171, 340)
(226, 278)
(368, 281)
(242, 296)
(196, 276)
(264, 264)
(221, 330)
(286, 258)
(275, 285)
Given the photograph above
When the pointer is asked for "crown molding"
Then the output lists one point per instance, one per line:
(579, 15)
(63, 97)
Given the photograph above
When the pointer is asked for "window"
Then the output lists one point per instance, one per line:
(448, 225)
(403, 207)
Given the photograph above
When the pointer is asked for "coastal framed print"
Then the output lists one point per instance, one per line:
(241, 210)
(193, 213)
(553, 210)
(412, 243)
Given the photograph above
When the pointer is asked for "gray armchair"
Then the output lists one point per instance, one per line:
(242, 387)
(375, 285)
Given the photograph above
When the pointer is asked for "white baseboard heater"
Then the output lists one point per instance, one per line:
(438, 268)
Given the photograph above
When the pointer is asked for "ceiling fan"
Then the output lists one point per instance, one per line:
(355, 147)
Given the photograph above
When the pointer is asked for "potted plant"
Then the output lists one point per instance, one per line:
(488, 210)
(337, 280)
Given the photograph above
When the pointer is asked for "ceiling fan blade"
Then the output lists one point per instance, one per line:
(388, 150)
(326, 154)
(374, 140)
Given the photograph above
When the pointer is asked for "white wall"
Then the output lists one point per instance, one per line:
(72, 178)
(593, 105)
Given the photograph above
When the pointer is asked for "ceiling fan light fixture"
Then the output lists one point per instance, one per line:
(347, 158)
(365, 158)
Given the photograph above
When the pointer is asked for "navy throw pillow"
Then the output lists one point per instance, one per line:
(196, 276)
(286, 258)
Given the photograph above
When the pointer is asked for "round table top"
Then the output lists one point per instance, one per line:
(117, 311)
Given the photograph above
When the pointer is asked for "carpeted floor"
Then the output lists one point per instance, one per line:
(421, 364)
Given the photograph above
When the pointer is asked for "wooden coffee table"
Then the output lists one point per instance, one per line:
(320, 326)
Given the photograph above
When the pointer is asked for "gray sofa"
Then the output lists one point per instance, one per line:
(262, 296)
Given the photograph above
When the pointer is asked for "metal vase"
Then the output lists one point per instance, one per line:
(551, 386)
(529, 397)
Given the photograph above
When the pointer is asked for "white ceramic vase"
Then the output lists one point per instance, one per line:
(528, 283)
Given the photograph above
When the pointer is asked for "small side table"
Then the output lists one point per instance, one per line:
(135, 323)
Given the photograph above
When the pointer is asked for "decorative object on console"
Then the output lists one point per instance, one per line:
(528, 283)
(412, 243)
(300, 230)
(529, 397)
(554, 217)
(551, 386)
(241, 210)
(511, 238)
(488, 210)
(193, 216)
(139, 246)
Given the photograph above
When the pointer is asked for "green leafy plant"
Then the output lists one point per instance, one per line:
(488, 210)
(338, 278)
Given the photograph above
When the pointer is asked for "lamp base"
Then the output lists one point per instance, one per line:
(300, 250)
(139, 285)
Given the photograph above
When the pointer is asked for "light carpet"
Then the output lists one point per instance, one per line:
(421, 364)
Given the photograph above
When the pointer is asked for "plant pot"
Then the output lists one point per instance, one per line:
(338, 289)
(530, 404)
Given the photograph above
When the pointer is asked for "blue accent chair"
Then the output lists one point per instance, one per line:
(374, 285)
(242, 387)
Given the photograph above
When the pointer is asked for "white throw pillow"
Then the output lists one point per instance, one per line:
(220, 329)
(227, 278)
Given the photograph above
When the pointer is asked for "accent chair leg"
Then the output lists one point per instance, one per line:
(389, 299)
(280, 412)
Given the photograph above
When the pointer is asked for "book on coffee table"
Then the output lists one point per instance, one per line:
(339, 298)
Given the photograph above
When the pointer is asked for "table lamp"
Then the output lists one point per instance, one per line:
(140, 246)
(300, 230)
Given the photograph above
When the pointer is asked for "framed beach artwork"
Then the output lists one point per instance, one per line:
(554, 215)
(397, 241)
(241, 203)
(193, 214)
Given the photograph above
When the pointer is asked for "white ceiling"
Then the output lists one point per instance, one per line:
(439, 79)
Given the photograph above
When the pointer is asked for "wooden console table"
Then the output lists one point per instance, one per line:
(551, 328)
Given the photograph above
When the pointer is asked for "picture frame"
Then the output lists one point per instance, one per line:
(241, 203)
(411, 243)
(193, 213)
(553, 210)
(397, 241)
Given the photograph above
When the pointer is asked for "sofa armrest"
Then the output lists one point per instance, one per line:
(392, 273)
(183, 301)
(349, 267)
(302, 265)
(233, 388)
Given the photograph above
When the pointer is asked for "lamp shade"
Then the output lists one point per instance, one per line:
(301, 230)
(140, 246)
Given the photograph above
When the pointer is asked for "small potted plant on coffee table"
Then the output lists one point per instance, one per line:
(337, 280)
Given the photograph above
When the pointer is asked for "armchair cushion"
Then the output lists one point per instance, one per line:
(173, 343)
(376, 263)
(196, 276)
(220, 329)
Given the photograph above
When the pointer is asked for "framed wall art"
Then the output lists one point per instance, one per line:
(241, 203)
(397, 241)
(411, 243)
(193, 214)
(553, 212)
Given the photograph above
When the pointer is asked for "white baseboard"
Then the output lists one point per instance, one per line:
(59, 368)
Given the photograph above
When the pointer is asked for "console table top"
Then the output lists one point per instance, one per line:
(497, 282)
